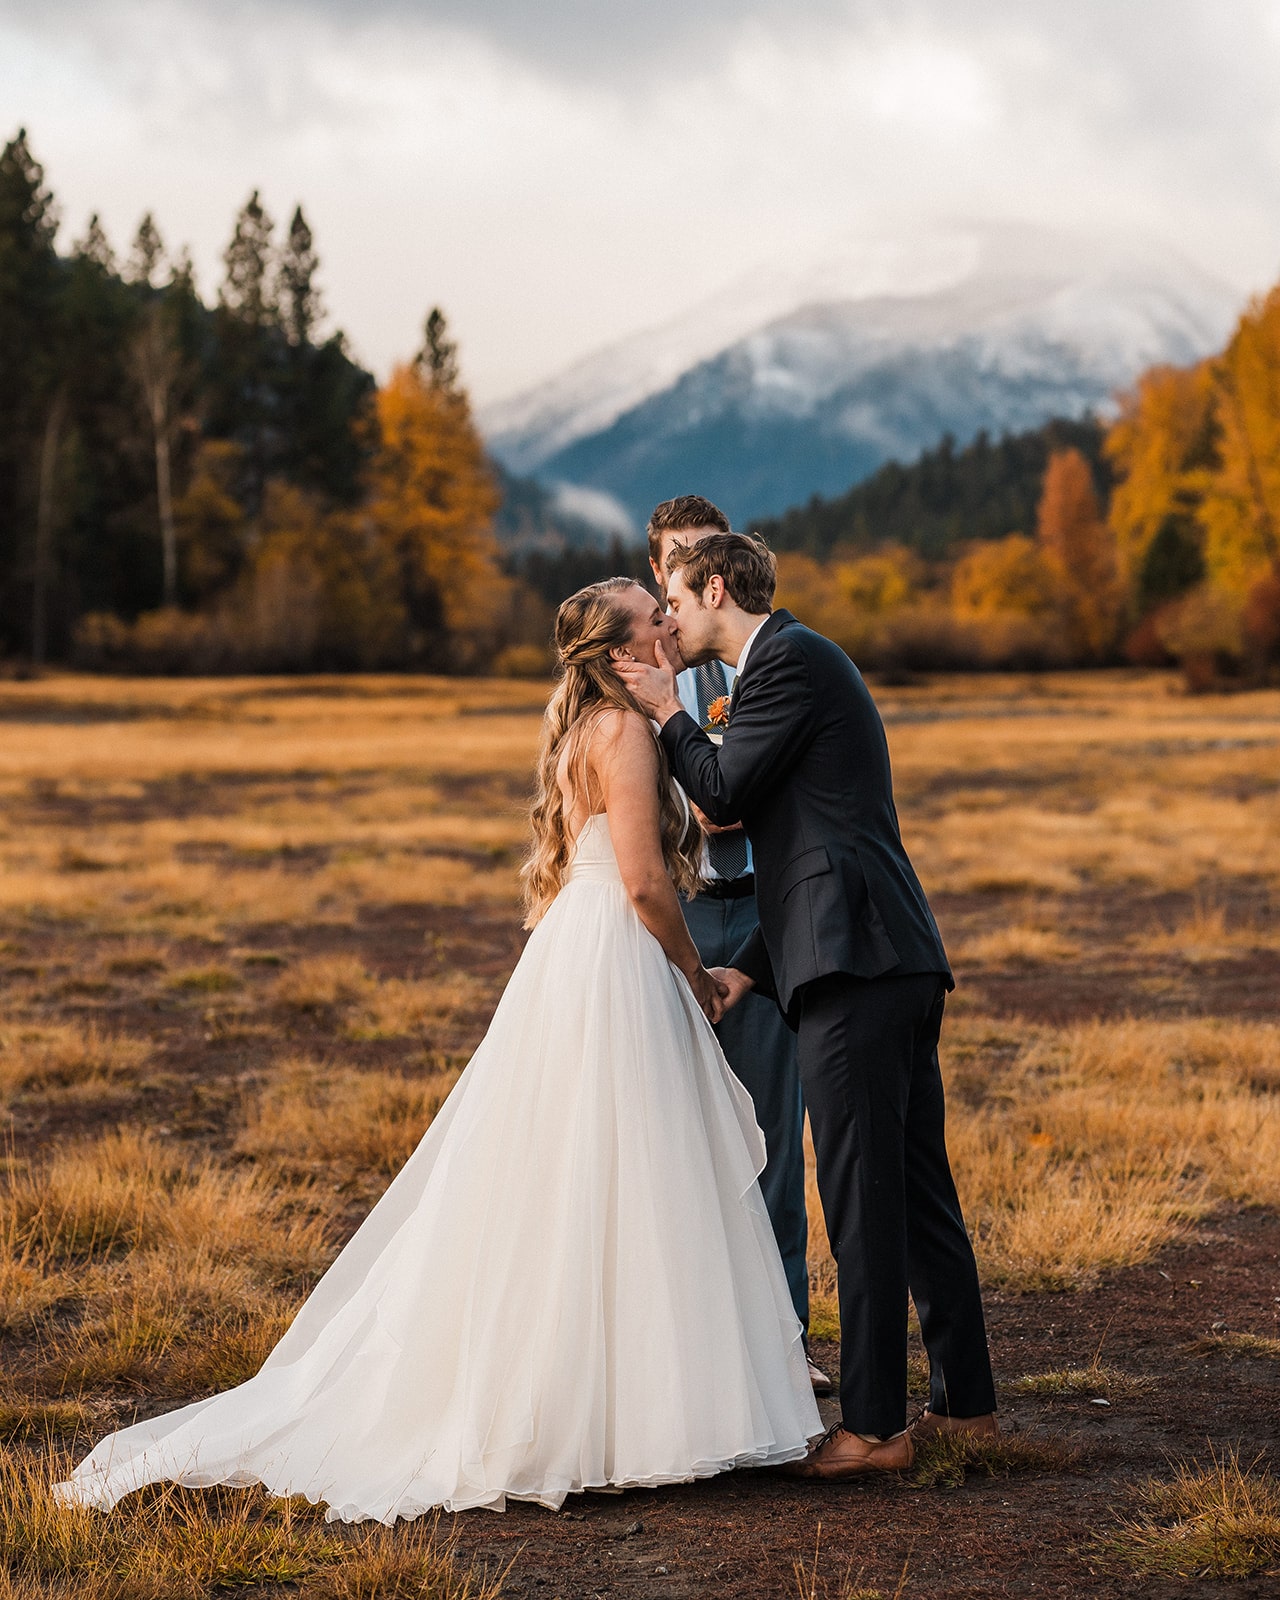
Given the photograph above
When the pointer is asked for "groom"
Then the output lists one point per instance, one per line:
(848, 948)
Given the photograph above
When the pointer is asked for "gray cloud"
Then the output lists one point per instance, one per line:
(560, 173)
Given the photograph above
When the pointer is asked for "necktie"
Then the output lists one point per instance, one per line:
(727, 852)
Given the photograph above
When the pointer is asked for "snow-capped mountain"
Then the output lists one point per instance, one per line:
(760, 403)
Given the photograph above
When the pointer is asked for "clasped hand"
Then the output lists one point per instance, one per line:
(719, 989)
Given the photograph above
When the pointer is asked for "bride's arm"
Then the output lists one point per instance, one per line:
(626, 764)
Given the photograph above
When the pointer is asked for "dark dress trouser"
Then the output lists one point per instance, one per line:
(761, 1050)
(868, 1057)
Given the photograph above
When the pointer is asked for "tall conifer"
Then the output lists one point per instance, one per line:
(300, 304)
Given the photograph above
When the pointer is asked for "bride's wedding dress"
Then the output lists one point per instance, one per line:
(572, 1283)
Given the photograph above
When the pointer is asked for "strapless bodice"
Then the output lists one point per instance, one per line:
(593, 858)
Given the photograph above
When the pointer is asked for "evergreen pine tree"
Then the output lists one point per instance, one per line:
(300, 305)
(247, 291)
(147, 253)
(32, 399)
(95, 246)
(437, 361)
(1173, 563)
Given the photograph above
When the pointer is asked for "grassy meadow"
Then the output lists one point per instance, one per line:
(250, 931)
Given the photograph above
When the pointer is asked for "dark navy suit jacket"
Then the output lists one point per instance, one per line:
(804, 766)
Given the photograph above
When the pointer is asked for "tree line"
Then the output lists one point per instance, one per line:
(1153, 539)
(196, 487)
(219, 487)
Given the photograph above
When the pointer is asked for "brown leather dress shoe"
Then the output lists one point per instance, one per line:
(818, 1378)
(840, 1456)
(933, 1425)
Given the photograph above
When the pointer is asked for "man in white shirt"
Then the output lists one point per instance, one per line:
(756, 1041)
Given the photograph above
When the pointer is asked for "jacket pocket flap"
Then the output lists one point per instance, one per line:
(808, 864)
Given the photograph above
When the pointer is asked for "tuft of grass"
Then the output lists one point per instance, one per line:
(1216, 1521)
(1095, 1380)
(1018, 947)
(102, 1198)
(323, 984)
(181, 1544)
(136, 961)
(38, 1419)
(947, 1460)
(60, 1055)
(310, 1112)
(399, 1007)
(811, 1585)
(1236, 1344)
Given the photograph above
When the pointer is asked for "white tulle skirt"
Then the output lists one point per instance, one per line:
(571, 1284)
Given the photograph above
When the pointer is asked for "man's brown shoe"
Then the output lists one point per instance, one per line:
(818, 1378)
(840, 1456)
(934, 1425)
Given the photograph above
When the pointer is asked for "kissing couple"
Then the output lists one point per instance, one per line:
(574, 1282)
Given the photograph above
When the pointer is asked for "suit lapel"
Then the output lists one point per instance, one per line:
(776, 620)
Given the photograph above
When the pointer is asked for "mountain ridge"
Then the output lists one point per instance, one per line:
(814, 400)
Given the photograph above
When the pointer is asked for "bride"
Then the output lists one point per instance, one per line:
(572, 1284)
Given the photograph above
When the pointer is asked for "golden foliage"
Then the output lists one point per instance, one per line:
(1003, 576)
(432, 499)
(1079, 549)
(1162, 448)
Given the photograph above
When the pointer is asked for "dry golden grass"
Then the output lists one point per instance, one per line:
(1094, 1381)
(1095, 1144)
(1216, 1521)
(1205, 936)
(175, 1544)
(127, 1192)
(62, 1054)
(311, 1112)
(227, 817)
(1019, 946)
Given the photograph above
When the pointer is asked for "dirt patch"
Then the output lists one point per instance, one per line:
(740, 1536)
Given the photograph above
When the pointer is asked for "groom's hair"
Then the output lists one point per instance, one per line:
(685, 511)
(745, 563)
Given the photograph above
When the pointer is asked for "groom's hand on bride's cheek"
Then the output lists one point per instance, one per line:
(653, 687)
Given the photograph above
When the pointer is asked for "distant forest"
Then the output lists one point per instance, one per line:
(945, 499)
(196, 487)
(216, 486)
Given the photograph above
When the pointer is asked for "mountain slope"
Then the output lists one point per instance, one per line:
(812, 401)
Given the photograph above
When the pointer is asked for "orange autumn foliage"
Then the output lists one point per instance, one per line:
(1079, 550)
(432, 499)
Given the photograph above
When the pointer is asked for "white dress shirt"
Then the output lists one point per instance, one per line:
(687, 689)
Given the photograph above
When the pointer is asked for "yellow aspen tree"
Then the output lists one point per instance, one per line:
(1241, 513)
(1080, 551)
(432, 499)
(1002, 577)
(1163, 447)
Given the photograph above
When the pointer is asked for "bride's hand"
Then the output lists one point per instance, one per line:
(733, 985)
(709, 993)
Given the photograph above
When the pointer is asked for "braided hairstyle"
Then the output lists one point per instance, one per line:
(590, 625)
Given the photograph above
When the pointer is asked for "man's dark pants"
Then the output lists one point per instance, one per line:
(761, 1049)
(868, 1056)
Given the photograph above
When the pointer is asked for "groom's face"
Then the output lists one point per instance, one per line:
(697, 624)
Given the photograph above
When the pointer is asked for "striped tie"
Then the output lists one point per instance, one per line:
(727, 852)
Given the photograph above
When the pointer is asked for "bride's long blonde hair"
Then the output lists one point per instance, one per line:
(589, 625)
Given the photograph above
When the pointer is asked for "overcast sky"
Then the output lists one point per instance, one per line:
(557, 173)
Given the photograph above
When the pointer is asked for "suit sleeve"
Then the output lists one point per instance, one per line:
(753, 958)
(770, 723)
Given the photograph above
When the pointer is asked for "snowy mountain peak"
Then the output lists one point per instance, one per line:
(801, 380)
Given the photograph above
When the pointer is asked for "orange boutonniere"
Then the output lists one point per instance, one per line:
(718, 712)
